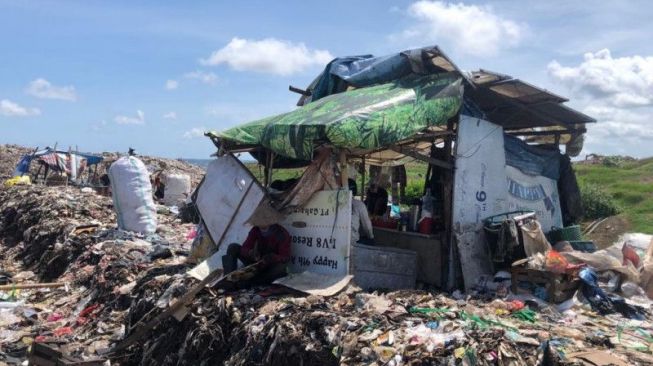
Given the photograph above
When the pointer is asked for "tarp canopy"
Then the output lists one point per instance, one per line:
(57, 160)
(366, 70)
(361, 103)
(366, 118)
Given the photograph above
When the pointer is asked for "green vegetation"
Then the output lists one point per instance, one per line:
(620, 184)
(597, 203)
(415, 173)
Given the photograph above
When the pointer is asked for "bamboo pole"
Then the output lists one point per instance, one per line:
(344, 173)
(363, 181)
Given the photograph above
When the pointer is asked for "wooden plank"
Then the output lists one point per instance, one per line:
(297, 90)
(25, 286)
(446, 262)
(142, 329)
(344, 172)
(415, 154)
(546, 133)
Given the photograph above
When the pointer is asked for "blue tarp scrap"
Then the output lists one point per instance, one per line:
(530, 159)
(90, 159)
(23, 165)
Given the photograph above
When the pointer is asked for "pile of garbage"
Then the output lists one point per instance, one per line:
(64, 243)
(115, 280)
(10, 156)
(47, 228)
(96, 286)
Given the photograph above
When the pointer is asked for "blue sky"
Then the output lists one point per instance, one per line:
(154, 74)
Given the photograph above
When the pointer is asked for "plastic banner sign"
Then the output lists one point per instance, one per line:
(320, 234)
(534, 193)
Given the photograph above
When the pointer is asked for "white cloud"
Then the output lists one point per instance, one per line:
(618, 92)
(172, 84)
(619, 123)
(621, 82)
(139, 119)
(619, 131)
(470, 29)
(170, 115)
(269, 55)
(11, 109)
(42, 88)
(194, 133)
(204, 77)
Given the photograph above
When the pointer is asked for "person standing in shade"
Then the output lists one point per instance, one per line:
(376, 200)
(361, 226)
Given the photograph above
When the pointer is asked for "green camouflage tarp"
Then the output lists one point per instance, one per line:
(366, 118)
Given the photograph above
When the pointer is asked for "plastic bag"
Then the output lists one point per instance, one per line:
(16, 181)
(202, 246)
(177, 188)
(132, 195)
(646, 272)
(630, 255)
(555, 262)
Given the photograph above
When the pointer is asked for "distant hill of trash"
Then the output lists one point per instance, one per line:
(10, 155)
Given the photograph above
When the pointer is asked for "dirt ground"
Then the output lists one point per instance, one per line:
(608, 231)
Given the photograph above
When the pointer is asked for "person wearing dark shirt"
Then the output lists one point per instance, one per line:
(268, 245)
(376, 200)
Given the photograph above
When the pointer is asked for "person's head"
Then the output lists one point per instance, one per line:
(265, 216)
(352, 187)
(374, 188)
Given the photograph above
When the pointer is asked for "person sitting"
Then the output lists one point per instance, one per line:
(361, 226)
(376, 200)
(267, 244)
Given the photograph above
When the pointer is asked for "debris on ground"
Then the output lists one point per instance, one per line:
(116, 279)
(74, 287)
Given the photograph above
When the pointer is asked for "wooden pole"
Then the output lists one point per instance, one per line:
(266, 169)
(269, 172)
(344, 174)
(363, 181)
(448, 265)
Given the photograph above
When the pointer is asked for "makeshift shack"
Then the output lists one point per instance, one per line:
(492, 144)
(56, 166)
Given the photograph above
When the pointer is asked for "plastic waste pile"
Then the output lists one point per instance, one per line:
(65, 244)
(102, 282)
(114, 279)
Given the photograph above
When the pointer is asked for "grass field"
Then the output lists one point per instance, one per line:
(415, 173)
(631, 185)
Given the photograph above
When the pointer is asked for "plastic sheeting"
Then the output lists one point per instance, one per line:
(530, 159)
(366, 70)
(366, 118)
(570, 201)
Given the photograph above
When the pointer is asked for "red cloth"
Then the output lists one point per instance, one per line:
(275, 242)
